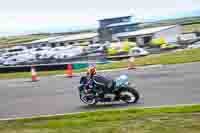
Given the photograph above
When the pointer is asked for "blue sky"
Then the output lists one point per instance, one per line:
(26, 16)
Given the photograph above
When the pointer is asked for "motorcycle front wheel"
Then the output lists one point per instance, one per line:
(130, 96)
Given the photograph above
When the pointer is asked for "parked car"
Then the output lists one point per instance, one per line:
(187, 39)
(17, 50)
(2, 51)
(47, 54)
(194, 45)
(2, 60)
(137, 51)
(69, 53)
(95, 48)
(39, 51)
(19, 59)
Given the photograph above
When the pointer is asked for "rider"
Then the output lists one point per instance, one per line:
(91, 71)
(101, 80)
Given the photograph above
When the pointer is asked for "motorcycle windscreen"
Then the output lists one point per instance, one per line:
(122, 80)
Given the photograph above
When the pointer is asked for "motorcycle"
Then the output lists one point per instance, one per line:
(100, 89)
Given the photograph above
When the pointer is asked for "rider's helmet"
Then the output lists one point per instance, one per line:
(91, 70)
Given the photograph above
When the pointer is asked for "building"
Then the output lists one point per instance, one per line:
(109, 27)
(72, 39)
(57, 41)
(41, 42)
(144, 36)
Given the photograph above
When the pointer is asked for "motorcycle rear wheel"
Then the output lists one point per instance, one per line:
(88, 100)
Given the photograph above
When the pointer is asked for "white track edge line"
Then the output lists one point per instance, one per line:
(54, 115)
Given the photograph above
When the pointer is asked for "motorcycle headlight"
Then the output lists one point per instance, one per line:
(126, 83)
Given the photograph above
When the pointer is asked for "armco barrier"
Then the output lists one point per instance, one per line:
(78, 62)
(56, 66)
(27, 68)
(46, 67)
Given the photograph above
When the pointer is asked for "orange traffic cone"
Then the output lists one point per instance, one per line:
(131, 63)
(69, 71)
(34, 74)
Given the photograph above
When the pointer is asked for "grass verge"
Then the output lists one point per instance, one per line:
(191, 28)
(184, 56)
(14, 40)
(184, 119)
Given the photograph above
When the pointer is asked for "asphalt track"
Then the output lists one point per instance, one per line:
(167, 85)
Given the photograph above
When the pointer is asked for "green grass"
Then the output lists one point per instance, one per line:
(28, 74)
(185, 56)
(191, 28)
(14, 40)
(185, 119)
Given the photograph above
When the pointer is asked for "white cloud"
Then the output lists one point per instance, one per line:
(23, 15)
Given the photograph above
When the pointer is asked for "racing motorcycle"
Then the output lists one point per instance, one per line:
(101, 89)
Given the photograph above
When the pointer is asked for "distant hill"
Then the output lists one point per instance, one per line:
(189, 23)
(182, 21)
(19, 39)
(15, 40)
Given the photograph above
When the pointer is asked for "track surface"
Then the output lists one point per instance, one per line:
(168, 85)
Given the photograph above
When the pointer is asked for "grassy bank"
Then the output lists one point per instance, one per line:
(14, 40)
(185, 56)
(157, 120)
(191, 28)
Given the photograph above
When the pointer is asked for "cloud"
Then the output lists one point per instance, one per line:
(28, 15)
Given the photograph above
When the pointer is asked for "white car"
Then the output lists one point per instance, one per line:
(137, 51)
(2, 60)
(52, 52)
(19, 59)
(35, 50)
(2, 51)
(17, 50)
(68, 53)
(195, 45)
(8, 55)
(39, 51)
(95, 48)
